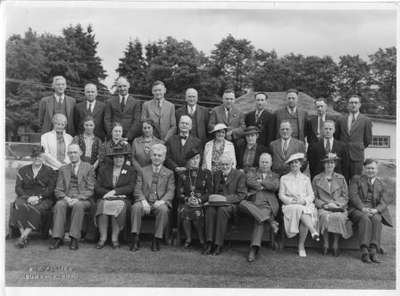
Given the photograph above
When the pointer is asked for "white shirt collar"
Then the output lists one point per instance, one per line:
(59, 97)
(156, 169)
(191, 107)
(291, 110)
(355, 115)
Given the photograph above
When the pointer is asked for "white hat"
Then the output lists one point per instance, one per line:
(218, 127)
(295, 156)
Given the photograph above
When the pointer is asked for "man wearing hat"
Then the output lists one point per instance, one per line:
(283, 147)
(368, 210)
(154, 192)
(34, 187)
(193, 188)
(249, 150)
(75, 188)
(261, 203)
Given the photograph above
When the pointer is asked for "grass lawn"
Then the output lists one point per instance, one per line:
(175, 267)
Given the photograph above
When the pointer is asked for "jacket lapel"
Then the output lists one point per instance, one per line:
(50, 106)
(335, 185)
(68, 106)
(80, 173)
(364, 187)
(324, 185)
(68, 175)
(95, 108)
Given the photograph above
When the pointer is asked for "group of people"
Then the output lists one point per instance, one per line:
(124, 159)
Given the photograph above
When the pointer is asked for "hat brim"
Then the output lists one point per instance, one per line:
(117, 154)
(291, 160)
(330, 159)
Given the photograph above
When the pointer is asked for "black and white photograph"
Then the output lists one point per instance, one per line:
(228, 144)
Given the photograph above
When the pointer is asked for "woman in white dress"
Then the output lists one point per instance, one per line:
(297, 196)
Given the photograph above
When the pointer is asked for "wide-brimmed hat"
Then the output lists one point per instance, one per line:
(192, 153)
(219, 127)
(36, 151)
(118, 150)
(330, 157)
(250, 130)
(295, 156)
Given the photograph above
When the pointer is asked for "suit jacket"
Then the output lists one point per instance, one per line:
(164, 119)
(338, 193)
(49, 143)
(200, 119)
(208, 151)
(358, 190)
(235, 122)
(278, 158)
(86, 181)
(46, 112)
(312, 127)
(316, 152)
(234, 189)
(129, 117)
(176, 153)
(125, 184)
(262, 192)
(283, 114)
(165, 185)
(266, 124)
(80, 113)
(241, 148)
(358, 139)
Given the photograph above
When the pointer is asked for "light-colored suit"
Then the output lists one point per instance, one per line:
(164, 118)
(46, 112)
(235, 122)
(207, 154)
(49, 143)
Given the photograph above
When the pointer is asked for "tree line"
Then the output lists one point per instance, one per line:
(233, 63)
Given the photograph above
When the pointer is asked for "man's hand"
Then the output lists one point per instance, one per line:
(33, 200)
(365, 210)
(146, 207)
(373, 211)
(158, 203)
(229, 134)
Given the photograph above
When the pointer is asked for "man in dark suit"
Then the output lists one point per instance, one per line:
(125, 109)
(263, 119)
(228, 114)
(314, 129)
(261, 203)
(327, 144)
(293, 114)
(197, 113)
(92, 107)
(229, 190)
(355, 130)
(248, 151)
(368, 210)
(74, 189)
(178, 146)
(282, 148)
(57, 103)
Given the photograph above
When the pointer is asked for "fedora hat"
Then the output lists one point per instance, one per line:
(250, 130)
(219, 127)
(330, 157)
(295, 156)
(192, 153)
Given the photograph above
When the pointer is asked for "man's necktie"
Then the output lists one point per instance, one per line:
(285, 147)
(328, 146)
(74, 169)
(353, 119)
(191, 111)
(123, 104)
(89, 108)
(321, 124)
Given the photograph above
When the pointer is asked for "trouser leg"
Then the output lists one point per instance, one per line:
(162, 214)
(211, 213)
(77, 215)
(256, 237)
(376, 230)
(364, 227)
(59, 218)
(223, 215)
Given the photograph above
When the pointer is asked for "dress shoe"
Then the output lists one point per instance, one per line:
(374, 258)
(325, 251)
(135, 244)
(336, 252)
(155, 245)
(252, 254)
(73, 245)
(365, 258)
(55, 244)
(207, 248)
(115, 245)
(187, 245)
(100, 245)
(217, 251)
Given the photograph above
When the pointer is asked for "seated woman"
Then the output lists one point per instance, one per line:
(141, 146)
(331, 198)
(215, 148)
(299, 212)
(116, 141)
(194, 187)
(55, 143)
(34, 187)
(114, 188)
(88, 142)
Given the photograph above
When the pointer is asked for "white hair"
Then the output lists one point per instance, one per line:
(123, 79)
(59, 77)
(160, 148)
(267, 155)
(59, 117)
(90, 84)
(226, 156)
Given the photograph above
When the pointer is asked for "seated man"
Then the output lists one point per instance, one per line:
(74, 189)
(229, 189)
(368, 209)
(154, 192)
(261, 203)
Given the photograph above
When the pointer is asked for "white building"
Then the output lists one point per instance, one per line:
(383, 145)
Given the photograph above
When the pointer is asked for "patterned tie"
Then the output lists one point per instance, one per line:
(122, 104)
(89, 107)
(328, 146)
(74, 165)
(285, 147)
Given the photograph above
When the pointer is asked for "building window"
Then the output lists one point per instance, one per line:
(380, 142)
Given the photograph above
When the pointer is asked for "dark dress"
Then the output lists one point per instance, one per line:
(124, 186)
(95, 148)
(26, 215)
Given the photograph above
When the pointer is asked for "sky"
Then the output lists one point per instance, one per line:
(309, 32)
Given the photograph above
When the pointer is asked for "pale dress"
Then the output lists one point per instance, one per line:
(299, 186)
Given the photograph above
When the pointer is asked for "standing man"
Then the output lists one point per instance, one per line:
(293, 114)
(92, 107)
(197, 113)
(74, 189)
(317, 151)
(178, 146)
(263, 119)
(315, 122)
(282, 148)
(57, 103)
(228, 114)
(125, 109)
(161, 112)
(355, 130)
